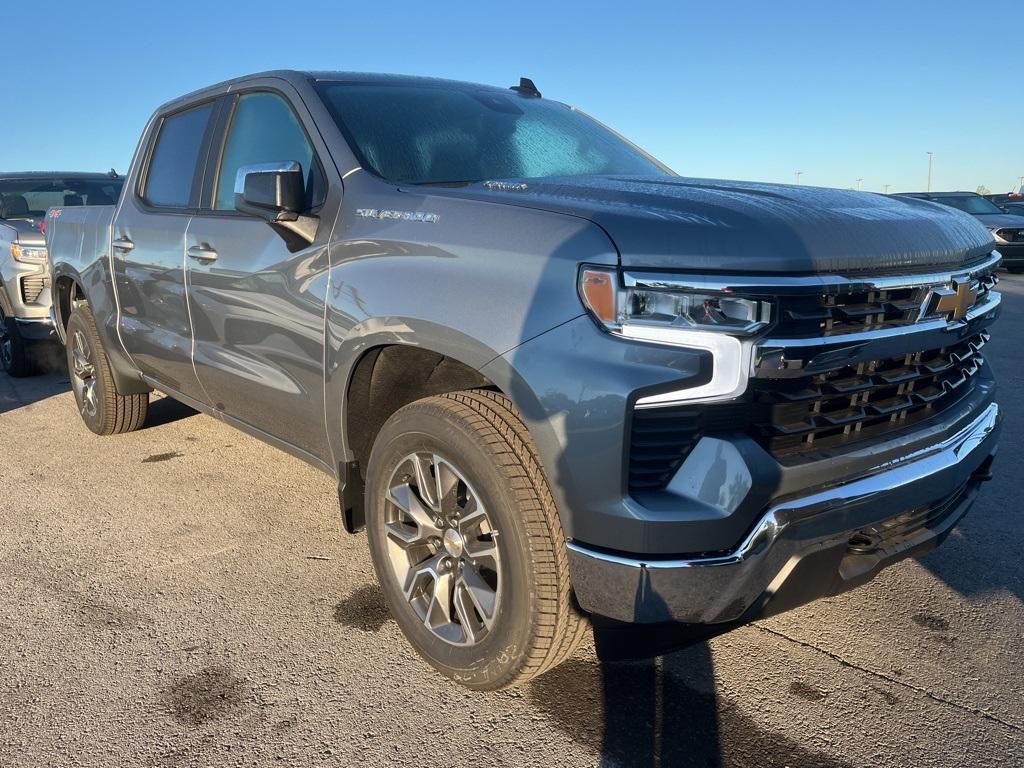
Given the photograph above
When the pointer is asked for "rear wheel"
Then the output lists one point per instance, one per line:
(15, 352)
(103, 409)
(466, 541)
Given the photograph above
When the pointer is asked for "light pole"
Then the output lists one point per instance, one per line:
(858, 184)
(886, 187)
(798, 175)
(930, 154)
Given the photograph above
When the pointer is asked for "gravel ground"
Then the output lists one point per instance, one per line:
(186, 596)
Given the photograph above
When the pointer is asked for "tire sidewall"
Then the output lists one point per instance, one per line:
(422, 427)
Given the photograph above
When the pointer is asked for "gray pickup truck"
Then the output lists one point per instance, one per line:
(551, 377)
(24, 281)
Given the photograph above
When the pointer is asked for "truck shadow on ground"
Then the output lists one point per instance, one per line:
(50, 379)
(661, 709)
(166, 410)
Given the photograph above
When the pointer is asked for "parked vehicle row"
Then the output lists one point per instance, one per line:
(1007, 227)
(24, 277)
(551, 378)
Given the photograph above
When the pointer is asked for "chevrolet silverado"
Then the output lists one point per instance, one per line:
(551, 377)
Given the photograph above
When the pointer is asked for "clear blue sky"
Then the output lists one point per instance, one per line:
(742, 90)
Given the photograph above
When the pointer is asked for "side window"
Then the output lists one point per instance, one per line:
(172, 166)
(264, 129)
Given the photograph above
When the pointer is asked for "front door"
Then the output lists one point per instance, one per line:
(256, 296)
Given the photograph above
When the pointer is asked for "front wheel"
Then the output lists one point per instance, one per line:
(15, 355)
(466, 541)
(103, 409)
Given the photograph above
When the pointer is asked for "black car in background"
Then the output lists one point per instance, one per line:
(1007, 228)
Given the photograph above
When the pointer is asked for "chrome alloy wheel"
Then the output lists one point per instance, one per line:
(443, 549)
(83, 375)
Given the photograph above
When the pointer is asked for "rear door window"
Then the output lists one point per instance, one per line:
(171, 179)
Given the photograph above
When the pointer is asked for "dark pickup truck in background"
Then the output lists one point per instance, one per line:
(551, 377)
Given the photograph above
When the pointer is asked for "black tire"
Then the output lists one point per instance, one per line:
(536, 624)
(15, 353)
(104, 410)
(1016, 269)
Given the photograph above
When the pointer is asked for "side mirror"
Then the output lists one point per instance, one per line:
(272, 191)
(276, 193)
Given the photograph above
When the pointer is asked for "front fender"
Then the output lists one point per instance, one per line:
(345, 347)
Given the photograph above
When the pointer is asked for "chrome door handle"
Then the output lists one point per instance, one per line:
(201, 253)
(123, 244)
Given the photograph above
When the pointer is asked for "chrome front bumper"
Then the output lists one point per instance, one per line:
(801, 547)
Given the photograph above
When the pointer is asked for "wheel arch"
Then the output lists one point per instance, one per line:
(383, 378)
(96, 291)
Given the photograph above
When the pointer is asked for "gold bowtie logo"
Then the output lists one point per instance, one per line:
(953, 302)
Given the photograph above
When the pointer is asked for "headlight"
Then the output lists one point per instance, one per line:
(667, 316)
(28, 254)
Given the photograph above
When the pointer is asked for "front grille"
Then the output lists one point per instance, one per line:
(1011, 235)
(799, 417)
(855, 311)
(32, 286)
(854, 403)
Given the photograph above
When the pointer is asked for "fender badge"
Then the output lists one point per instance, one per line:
(376, 213)
(506, 186)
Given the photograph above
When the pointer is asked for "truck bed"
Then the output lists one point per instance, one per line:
(78, 236)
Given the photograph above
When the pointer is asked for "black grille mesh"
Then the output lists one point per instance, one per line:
(854, 403)
(661, 439)
(802, 417)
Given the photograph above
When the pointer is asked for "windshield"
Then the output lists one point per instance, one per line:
(436, 134)
(975, 205)
(29, 198)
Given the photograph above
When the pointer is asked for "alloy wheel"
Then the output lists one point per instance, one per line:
(83, 375)
(443, 549)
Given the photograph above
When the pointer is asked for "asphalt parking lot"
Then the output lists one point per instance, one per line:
(185, 596)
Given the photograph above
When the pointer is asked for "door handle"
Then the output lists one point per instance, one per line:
(123, 244)
(201, 253)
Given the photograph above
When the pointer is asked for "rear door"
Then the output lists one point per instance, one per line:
(149, 247)
(257, 295)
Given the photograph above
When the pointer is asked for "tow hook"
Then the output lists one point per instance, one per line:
(862, 543)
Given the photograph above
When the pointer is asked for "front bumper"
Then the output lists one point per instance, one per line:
(1012, 253)
(36, 328)
(802, 548)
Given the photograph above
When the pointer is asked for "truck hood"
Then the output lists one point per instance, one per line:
(27, 229)
(733, 226)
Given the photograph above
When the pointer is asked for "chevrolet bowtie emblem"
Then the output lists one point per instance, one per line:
(952, 302)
